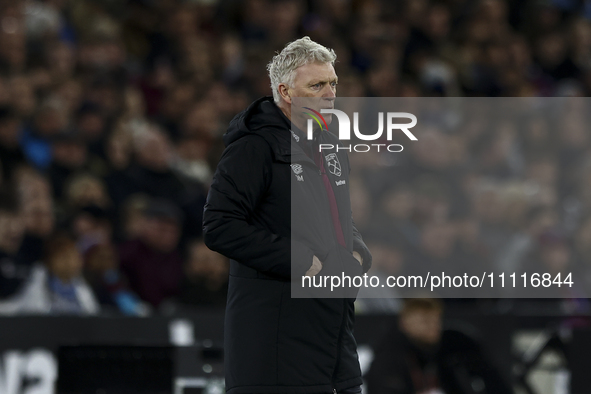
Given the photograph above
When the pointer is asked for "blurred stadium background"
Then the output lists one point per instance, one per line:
(111, 117)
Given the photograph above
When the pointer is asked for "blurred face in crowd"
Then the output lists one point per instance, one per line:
(193, 149)
(551, 50)
(66, 264)
(23, 95)
(87, 227)
(62, 60)
(87, 190)
(102, 258)
(154, 151)
(134, 102)
(286, 16)
(487, 205)
(69, 154)
(544, 172)
(205, 263)
(438, 19)
(583, 238)
(399, 203)
(542, 221)
(555, 257)
(33, 188)
(386, 258)
(437, 239)
(201, 119)
(108, 97)
(91, 124)
(178, 100)
(13, 43)
(161, 234)
(422, 325)
(119, 146)
(39, 217)
(11, 231)
(70, 93)
(9, 132)
(49, 121)
(135, 222)
(433, 150)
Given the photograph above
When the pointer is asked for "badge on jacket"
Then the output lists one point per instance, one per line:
(334, 166)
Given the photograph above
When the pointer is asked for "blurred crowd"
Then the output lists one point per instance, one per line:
(112, 112)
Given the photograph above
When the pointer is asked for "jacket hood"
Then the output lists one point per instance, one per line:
(265, 119)
(261, 114)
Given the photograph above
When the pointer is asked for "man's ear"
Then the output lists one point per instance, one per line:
(284, 92)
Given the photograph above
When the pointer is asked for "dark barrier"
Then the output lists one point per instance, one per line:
(29, 347)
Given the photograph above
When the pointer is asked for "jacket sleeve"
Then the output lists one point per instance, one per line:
(241, 180)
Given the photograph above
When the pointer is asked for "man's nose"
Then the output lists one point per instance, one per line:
(330, 92)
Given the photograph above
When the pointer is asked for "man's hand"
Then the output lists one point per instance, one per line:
(358, 257)
(315, 268)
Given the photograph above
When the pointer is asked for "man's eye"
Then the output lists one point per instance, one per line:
(334, 84)
(316, 86)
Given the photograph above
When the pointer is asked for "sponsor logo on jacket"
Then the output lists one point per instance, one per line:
(297, 170)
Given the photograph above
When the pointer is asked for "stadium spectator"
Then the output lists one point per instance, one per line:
(148, 86)
(11, 156)
(55, 287)
(49, 121)
(85, 189)
(153, 263)
(206, 277)
(420, 357)
(133, 218)
(39, 220)
(38, 208)
(70, 156)
(91, 226)
(13, 271)
(102, 272)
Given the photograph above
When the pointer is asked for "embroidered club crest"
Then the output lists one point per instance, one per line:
(334, 166)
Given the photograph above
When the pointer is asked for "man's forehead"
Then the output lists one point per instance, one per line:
(316, 71)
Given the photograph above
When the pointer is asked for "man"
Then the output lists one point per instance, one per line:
(13, 270)
(153, 265)
(419, 357)
(275, 343)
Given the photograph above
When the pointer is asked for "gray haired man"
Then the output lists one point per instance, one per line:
(275, 343)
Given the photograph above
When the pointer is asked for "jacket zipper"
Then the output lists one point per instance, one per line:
(339, 340)
(340, 337)
(344, 313)
(336, 243)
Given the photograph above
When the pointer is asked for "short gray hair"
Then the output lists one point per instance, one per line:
(296, 54)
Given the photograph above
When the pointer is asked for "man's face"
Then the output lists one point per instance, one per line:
(154, 152)
(314, 86)
(67, 264)
(11, 231)
(161, 234)
(422, 326)
(206, 263)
